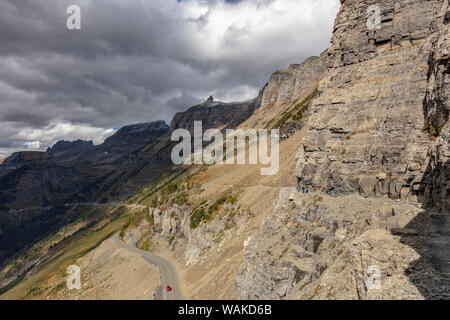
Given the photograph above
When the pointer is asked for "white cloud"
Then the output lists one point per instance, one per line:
(251, 27)
(39, 139)
(33, 145)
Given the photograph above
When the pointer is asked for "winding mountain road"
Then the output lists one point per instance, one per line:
(167, 272)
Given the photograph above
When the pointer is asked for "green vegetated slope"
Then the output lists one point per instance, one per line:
(65, 254)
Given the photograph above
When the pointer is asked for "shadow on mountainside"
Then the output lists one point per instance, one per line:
(431, 273)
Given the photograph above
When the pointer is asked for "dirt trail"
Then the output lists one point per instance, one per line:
(130, 206)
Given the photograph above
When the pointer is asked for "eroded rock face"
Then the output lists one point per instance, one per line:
(436, 185)
(378, 265)
(315, 246)
(65, 150)
(132, 137)
(285, 89)
(173, 224)
(288, 85)
(436, 103)
(367, 131)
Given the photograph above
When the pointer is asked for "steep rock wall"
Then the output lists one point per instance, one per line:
(379, 128)
(286, 88)
(367, 133)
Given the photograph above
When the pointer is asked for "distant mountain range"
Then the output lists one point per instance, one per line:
(34, 186)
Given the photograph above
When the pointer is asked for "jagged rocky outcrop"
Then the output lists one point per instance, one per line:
(65, 150)
(173, 224)
(132, 137)
(436, 102)
(288, 85)
(436, 185)
(316, 246)
(215, 114)
(285, 89)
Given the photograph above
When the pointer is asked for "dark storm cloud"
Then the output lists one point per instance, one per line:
(136, 61)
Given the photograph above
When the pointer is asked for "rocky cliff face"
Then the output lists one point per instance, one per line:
(288, 85)
(375, 160)
(285, 89)
(369, 131)
(435, 186)
(132, 137)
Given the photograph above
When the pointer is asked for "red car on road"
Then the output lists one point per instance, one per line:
(168, 288)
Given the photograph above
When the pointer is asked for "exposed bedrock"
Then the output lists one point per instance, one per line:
(382, 104)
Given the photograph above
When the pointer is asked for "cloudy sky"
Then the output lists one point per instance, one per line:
(140, 60)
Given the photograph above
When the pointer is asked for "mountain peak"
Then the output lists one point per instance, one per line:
(78, 145)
